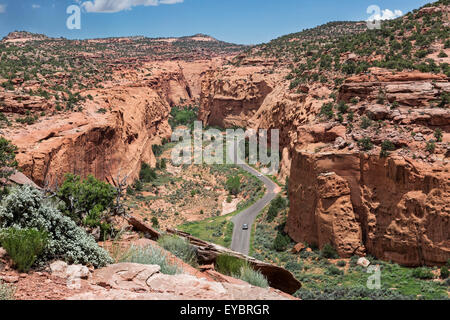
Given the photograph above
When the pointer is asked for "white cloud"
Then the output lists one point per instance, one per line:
(2, 8)
(110, 6)
(388, 15)
(35, 6)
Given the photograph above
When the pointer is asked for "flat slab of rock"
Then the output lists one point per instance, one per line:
(131, 281)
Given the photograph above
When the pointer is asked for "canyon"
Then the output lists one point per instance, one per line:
(364, 154)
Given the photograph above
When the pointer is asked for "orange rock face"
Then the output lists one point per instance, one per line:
(90, 142)
(394, 209)
(407, 88)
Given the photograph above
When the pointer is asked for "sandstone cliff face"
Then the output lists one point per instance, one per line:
(394, 209)
(95, 143)
(114, 132)
(232, 97)
(412, 89)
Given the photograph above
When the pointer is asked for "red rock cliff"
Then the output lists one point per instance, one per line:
(394, 209)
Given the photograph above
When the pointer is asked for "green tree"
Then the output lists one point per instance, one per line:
(365, 144)
(386, 147)
(147, 174)
(281, 242)
(85, 198)
(233, 185)
(438, 134)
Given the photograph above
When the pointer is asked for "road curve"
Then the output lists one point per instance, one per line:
(241, 238)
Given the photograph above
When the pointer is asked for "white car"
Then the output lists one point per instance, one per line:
(245, 227)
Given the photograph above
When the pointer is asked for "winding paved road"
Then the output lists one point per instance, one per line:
(241, 238)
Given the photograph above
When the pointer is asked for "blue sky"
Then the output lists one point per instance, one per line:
(238, 21)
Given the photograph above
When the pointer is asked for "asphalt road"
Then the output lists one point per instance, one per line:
(241, 238)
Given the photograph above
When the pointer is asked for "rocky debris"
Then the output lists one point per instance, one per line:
(340, 143)
(394, 209)
(130, 281)
(278, 277)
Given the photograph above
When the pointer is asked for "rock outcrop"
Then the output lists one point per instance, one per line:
(394, 209)
(104, 144)
(414, 89)
(231, 98)
(130, 281)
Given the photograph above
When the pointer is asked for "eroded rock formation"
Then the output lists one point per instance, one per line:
(100, 143)
(395, 209)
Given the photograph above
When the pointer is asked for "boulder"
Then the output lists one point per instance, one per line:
(65, 271)
(298, 248)
(58, 268)
(363, 262)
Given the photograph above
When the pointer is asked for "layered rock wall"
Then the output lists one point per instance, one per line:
(393, 209)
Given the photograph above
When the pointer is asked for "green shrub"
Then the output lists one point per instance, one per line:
(327, 110)
(138, 186)
(8, 161)
(229, 265)
(341, 263)
(89, 197)
(444, 272)
(328, 252)
(157, 150)
(438, 134)
(255, 278)
(182, 116)
(365, 122)
(281, 242)
(343, 107)
(181, 248)
(25, 208)
(6, 292)
(155, 222)
(430, 147)
(278, 204)
(147, 174)
(152, 256)
(386, 147)
(233, 185)
(24, 246)
(422, 273)
(334, 271)
(365, 144)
